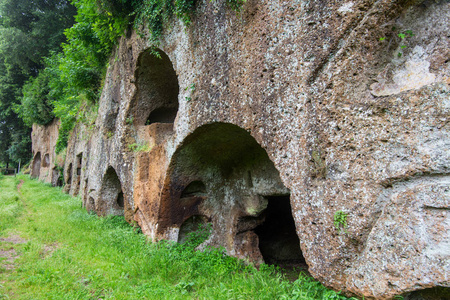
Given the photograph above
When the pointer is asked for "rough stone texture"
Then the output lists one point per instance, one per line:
(290, 98)
(44, 164)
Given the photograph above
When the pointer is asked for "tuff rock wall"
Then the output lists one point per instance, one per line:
(336, 106)
(45, 165)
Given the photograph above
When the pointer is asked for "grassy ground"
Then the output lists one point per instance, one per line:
(51, 248)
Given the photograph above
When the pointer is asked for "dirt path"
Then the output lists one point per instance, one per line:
(7, 250)
(7, 244)
(19, 186)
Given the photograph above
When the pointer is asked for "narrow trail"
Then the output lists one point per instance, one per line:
(19, 186)
(7, 250)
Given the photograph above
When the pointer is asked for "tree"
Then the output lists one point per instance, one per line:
(29, 32)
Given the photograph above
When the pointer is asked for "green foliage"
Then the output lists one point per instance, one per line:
(184, 9)
(340, 220)
(67, 125)
(10, 206)
(36, 105)
(195, 238)
(401, 37)
(236, 5)
(29, 31)
(135, 147)
(153, 14)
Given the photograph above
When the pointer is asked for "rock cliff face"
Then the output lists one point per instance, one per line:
(270, 123)
(45, 165)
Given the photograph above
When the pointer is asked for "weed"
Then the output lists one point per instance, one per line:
(129, 121)
(236, 5)
(340, 221)
(404, 36)
(135, 147)
(191, 88)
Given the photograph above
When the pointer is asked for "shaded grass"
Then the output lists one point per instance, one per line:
(71, 254)
(10, 204)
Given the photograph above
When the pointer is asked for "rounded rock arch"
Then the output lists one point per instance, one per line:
(220, 174)
(111, 200)
(157, 89)
(46, 161)
(36, 169)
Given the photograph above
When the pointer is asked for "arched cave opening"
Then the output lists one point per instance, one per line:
(156, 99)
(69, 175)
(241, 201)
(111, 199)
(90, 206)
(162, 115)
(36, 170)
(278, 240)
(120, 200)
(434, 293)
(56, 177)
(194, 189)
(46, 161)
(79, 163)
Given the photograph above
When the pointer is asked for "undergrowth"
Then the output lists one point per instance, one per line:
(72, 254)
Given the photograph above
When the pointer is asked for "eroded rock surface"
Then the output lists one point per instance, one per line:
(45, 165)
(321, 103)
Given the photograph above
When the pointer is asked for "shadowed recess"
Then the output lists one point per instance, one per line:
(56, 177)
(46, 161)
(156, 99)
(111, 198)
(278, 240)
(35, 171)
(69, 175)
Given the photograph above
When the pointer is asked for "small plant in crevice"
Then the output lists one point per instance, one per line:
(191, 88)
(401, 37)
(340, 221)
(129, 121)
(236, 5)
(136, 147)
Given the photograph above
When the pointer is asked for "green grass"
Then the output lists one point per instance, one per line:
(71, 254)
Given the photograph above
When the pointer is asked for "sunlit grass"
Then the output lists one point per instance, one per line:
(71, 254)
